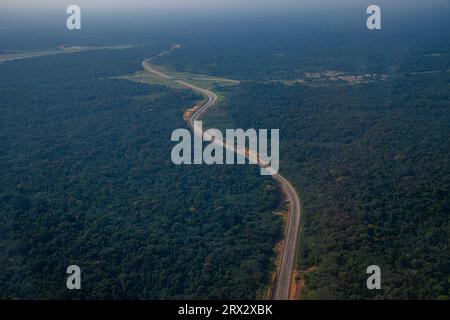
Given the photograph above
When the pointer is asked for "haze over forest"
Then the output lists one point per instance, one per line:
(218, 4)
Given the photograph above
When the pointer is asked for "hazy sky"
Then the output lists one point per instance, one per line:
(208, 4)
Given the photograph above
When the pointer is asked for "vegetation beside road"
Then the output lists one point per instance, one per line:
(87, 179)
(372, 165)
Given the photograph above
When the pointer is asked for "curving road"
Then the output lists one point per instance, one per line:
(283, 279)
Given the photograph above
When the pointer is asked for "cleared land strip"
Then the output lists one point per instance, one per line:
(283, 279)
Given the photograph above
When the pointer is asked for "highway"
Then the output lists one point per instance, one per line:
(285, 270)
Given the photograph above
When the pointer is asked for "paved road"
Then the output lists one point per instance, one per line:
(282, 285)
(283, 280)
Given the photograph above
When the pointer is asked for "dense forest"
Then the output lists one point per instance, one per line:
(87, 179)
(284, 48)
(371, 163)
(364, 123)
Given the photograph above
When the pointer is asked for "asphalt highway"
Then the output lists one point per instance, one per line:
(285, 270)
